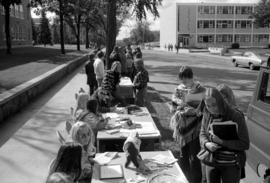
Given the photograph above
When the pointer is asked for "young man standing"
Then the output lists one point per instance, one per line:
(99, 67)
(140, 82)
(90, 73)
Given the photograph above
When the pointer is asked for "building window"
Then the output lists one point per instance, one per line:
(224, 24)
(244, 38)
(244, 10)
(205, 38)
(205, 24)
(225, 10)
(206, 9)
(243, 24)
(261, 38)
(224, 38)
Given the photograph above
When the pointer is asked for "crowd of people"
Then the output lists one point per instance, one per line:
(204, 156)
(74, 160)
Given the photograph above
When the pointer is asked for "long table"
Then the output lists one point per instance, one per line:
(125, 89)
(148, 131)
(130, 172)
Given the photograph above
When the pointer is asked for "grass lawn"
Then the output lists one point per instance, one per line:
(29, 62)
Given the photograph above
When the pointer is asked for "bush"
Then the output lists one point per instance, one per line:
(235, 46)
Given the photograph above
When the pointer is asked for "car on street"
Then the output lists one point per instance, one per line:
(249, 59)
(258, 123)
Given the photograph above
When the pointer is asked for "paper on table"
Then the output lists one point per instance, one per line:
(160, 158)
(111, 171)
(105, 158)
(111, 115)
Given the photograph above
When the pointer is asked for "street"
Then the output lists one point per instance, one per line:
(208, 70)
(28, 140)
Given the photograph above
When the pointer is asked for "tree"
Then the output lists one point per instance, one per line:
(54, 6)
(45, 32)
(56, 37)
(34, 32)
(262, 13)
(139, 7)
(6, 4)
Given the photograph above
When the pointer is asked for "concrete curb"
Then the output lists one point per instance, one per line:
(13, 100)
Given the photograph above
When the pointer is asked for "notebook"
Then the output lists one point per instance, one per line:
(227, 130)
(111, 172)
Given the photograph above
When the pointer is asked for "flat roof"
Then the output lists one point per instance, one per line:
(218, 1)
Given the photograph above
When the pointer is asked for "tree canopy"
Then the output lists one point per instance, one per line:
(262, 13)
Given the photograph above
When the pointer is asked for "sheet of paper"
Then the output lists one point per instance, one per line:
(111, 171)
(111, 115)
(160, 158)
(105, 158)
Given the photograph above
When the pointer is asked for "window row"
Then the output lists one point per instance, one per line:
(239, 10)
(15, 11)
(239, 24)
(228, 38)
(17, 33)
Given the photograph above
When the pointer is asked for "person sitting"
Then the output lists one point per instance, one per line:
(92, 117)
(59, 177)
(140, 82)
(68, 161)
(81, 100)
(82, 134)
(186, 122)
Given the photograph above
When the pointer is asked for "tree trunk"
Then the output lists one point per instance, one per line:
(61, 26)
(7, 30)
(78, 32)
(86, 37)
(111, 29)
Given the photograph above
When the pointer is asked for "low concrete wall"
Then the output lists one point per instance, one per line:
(15, 99)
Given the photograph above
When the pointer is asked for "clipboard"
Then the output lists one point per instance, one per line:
(227, 130)
(111, 172)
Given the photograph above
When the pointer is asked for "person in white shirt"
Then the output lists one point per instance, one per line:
(99, 67)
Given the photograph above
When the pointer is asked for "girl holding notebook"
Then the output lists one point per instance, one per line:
(223, 158)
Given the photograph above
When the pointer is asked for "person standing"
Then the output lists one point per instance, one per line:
(99, 67)
(114, 56)
(90, 73)
(223, 158)
(140, 82)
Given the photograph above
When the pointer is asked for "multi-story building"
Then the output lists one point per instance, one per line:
(20, 25)
(204, 23)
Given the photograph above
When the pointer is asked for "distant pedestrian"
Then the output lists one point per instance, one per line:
(123, 61)
(138, 53)
(99, 67)
(90, 73)
(176, 48)
(140, 82)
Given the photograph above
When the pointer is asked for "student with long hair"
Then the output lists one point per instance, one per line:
(68, 161)
(215, 148)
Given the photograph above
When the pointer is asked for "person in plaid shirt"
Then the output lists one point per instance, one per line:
(140, 82)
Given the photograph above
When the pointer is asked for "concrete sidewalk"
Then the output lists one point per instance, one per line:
(26, 154)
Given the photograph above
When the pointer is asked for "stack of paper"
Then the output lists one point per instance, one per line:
(105, 158)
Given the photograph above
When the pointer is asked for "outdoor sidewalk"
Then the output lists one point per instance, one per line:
(26, 154)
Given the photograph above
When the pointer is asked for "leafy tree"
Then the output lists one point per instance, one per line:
(34, 32)
(6, 4)
(139, 7)
(45, 32)
(56, 6)
(262, 13)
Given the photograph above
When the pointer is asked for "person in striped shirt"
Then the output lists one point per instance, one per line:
(140, 82)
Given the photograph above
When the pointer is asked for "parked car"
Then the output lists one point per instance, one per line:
(258, 123)
(249, 59)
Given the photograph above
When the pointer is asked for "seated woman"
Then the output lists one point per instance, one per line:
(68, 161)
(92, 117)
(217, 110)
(82, 134)
(81, 99)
